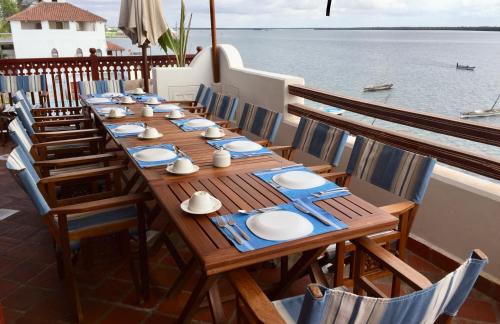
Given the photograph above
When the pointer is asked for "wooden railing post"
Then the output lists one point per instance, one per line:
(94, 64)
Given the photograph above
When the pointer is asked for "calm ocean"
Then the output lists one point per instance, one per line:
(421, 64)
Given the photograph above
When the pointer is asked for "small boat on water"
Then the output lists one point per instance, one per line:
(380, 87)
(465, 67)
(482, 112)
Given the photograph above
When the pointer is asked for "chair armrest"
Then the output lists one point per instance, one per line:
(223, 123)
(87, 159)
(69, 141)
(254, 298)
(233, 129)
(68, 133)
(195, 108)
(61, 122)
(321, 169)
(102, 204)
(397, 266)
(81, 174)
(281, 148)
(398, 208)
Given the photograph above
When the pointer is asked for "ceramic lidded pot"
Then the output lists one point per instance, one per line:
(221, 158)
(147, 111)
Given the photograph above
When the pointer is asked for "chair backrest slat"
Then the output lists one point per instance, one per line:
(20, 137)
(403, 173)
(19, 165)
(25, 117)
(222, 106)
(260, 121)
(424, 306)
(320, 140)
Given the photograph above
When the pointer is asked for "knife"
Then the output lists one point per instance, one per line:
(313, 213)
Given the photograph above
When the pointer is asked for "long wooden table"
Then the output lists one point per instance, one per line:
(237, 188)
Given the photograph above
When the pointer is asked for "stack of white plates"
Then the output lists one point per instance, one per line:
(242, 146)
(154, 155)
(279, 225)
(299, 180)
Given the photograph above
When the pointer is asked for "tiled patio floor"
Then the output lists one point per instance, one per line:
(30, 291)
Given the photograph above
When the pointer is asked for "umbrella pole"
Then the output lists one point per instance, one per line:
(145, 66)
(215, 52)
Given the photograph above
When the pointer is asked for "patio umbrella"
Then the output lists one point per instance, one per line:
(143, 22)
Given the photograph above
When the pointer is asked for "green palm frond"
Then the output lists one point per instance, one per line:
(177, 43)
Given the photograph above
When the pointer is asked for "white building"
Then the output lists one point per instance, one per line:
(54, 28)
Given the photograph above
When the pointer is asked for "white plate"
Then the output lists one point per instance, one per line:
(128, 103)
(279, 225)
(299, 180)
(106, 110)
(170, 169)
(153, 104)
(180, 117)
(200, 123)
(154, 155)
(98, 100)
(216, 205)
(242, 146)
(212, 137)
(111, 94)
(129, 129)
(141, 136)
(120, 115)
(167, 107)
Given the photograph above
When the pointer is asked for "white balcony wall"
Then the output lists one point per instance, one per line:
(29, 43)
(459, 212)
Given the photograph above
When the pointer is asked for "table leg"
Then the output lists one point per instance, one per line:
(143, 250)
(199, 292)
(299, 269)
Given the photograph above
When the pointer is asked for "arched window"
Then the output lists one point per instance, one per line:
(54, 53)
(79, 52)
(98, 52)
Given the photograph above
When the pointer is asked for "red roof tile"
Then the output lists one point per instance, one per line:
(55, 11)
(114, 47)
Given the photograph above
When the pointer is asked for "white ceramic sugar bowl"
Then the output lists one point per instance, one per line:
(222, 158)
(147, 111)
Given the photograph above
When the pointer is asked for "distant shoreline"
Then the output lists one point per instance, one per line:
(480, 28)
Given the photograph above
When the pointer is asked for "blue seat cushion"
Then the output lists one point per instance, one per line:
(82, 222)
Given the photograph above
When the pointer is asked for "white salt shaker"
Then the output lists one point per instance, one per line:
(147, 111)
(222, 158)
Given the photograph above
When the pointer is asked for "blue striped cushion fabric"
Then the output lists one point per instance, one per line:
(424, 306)
(100, 86)
(223, 107)
(25, 119)
(26, 83)
(26, 106)
(201, 91)
(403, 173)
(320, 140)
(260, 121)
(18, 163)
(206, 97)
(20, 137)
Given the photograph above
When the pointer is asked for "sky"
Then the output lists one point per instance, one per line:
(311, 13)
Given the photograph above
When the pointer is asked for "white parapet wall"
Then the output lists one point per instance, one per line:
(459, 213)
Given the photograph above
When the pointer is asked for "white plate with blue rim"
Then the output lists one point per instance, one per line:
(279, 225)
(299, 180)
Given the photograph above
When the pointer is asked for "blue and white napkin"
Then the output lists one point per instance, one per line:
(112, 127)
(267, 176)
(144, 164)
(256, 242)
(239, 155)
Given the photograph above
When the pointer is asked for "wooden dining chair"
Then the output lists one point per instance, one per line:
(403, 173)
(100, 86)
(71, 225)
(429, 303)
(44, 147)
(41, 113)
(260, 122)
(319, 140)
(222, 109)
(35, 84)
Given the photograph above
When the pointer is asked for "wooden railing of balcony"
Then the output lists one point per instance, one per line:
(486, 166)
(62, 74)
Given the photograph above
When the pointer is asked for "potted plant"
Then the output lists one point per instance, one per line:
(177, 41)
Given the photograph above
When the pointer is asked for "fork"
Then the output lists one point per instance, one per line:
(230, 220)
(223, 224)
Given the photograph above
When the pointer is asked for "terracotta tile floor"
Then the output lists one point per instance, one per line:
(30, 291)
